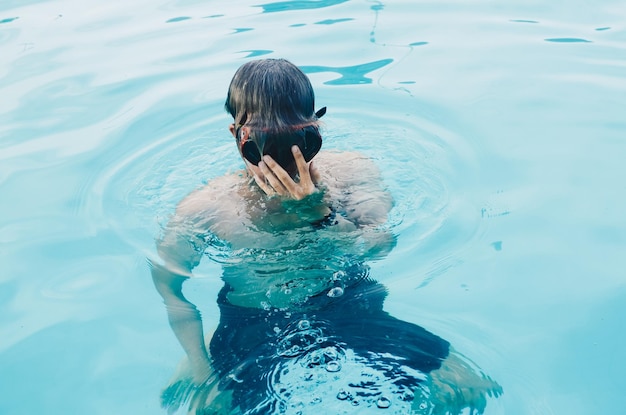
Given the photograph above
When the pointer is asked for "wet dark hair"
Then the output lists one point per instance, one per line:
(272, 95)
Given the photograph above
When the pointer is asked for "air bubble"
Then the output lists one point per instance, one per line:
(330, 353)
(338, 275)
(342, 395)
(304, 325)
(335, 292)
(383, 402)
(333, 366)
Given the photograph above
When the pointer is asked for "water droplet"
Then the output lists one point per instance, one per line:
(335, 292)
(235, 378)
(316, 400)
(342, 395)
(383, 402)
(355, 402)
(338, 275)
(333, 366)
(304, 324)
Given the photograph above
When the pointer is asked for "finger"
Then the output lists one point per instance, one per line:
(279, 175)
(303, 169)
(306, 184)
(263, 185)
(314, 173)
(255, 170)
(258, 177)
(272, 176)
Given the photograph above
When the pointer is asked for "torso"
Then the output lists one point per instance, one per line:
(275, 259)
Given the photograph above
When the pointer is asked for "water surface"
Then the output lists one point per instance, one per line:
(499, 129)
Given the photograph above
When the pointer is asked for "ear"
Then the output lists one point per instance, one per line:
(232, 130)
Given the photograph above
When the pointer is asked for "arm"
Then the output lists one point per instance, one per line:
(460, 384)
(179, 252)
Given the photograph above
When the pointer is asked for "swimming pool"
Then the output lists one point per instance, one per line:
(499, 129)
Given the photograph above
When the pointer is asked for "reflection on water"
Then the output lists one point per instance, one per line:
(351, 75)
(283, 6)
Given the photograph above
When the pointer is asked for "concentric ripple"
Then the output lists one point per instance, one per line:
(429, 166)
(423, 163)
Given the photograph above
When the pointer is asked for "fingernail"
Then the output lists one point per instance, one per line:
(295, 149)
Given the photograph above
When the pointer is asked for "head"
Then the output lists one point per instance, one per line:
(272, 103)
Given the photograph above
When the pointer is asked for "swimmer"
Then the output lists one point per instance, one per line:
(301, 320)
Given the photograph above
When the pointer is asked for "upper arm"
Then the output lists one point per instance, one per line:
(182, 243)
(179, 250)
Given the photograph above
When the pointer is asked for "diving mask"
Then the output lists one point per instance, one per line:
(254, 144)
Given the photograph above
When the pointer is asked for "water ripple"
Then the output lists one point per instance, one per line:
(283, 6)
(567, 40)
(428, 167)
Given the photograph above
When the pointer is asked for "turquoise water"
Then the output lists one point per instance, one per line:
(499, 128)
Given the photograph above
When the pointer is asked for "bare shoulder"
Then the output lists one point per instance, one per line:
(216, 195)
(195, 214)
(354, 181)
(348, 167)
(336, 157)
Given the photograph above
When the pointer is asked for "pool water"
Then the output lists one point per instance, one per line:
(499, 128)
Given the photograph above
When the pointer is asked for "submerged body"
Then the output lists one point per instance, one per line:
(300, 317)
(298, 303)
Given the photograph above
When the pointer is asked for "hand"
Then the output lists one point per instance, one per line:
(456, 385)
(201, 372)
(274, 180)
